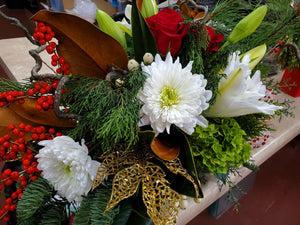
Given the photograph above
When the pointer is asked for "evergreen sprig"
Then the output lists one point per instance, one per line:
(8, 85)
(109, 111)
(91, 210)
(38, 205)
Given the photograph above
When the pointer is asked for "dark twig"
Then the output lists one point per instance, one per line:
(17, 23)
(57, 98)
(295, 48)
(38, 65)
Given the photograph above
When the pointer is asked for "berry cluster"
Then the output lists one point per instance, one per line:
(6, 97)
(277, 48)
(44, 91)
(18, 148)
(44, 35)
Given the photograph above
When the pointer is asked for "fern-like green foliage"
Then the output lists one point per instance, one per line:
(38, 206)
(220, 146)
(8, 85)
(109, 112)
(35, 196)
(193, 44)
(253, 124)
(91, 210)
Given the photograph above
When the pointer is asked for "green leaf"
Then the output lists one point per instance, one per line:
(132, 211)
(141, 34)
(180, 184)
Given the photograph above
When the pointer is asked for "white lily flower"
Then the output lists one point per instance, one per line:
(239, 93)
(124, 25)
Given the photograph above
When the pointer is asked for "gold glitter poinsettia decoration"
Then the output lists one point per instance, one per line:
(134, 168)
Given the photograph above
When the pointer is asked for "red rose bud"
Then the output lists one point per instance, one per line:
(168, 29)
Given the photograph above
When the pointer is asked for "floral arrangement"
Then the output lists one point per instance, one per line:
(136, 111)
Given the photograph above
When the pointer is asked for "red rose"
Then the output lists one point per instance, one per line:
(213, 39)
(168, 30)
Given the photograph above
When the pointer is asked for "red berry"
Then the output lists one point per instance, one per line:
(33, 178)
(22, 147)
(38, 107)
(6, 144)
(58, 134)
(6, 137)
(15, 93)
(23, 184)
(13, 207)
(37, 86)
(45, 105)
(7, 172)
(10, 98)
(276, 50)
(16, 131)
(11, 126)
(40, 35)
(30, 170)
(21, 101)
(6, 218)
(1, 187)
(19, 190)
(61, 60)
(42, 136)
(58, 70)
(280, 42)
(30, 92)
(53, 44)
(51, 131)
(42, 42)
(22, 178)
(22, 125)
(28, 128)
(2, 140)
(15, 175)
(49, 49)
(48, 37)
(14, 195)
(54, 58)
(20, 195)
(35, 136)
(8, 182)
(43, 91)
(15, 148)
(54, 63)
(8, 201)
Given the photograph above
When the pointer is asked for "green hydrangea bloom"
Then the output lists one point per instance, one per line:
(220, 146)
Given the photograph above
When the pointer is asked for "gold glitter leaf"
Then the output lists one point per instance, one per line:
(125, 184)
(161, 201)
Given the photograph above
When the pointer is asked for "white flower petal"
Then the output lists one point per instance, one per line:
(67, 166)
(172, 95)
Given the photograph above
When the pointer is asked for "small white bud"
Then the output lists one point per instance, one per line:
(132, 64)
(148, 58)
(183, 204)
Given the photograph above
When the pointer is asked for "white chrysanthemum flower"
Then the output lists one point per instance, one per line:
(67, 166)
(173, 95)
(239, 93)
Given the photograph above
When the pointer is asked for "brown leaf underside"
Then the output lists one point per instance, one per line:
(87, 49)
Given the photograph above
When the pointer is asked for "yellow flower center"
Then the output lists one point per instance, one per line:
(68, 170)
(169, 96)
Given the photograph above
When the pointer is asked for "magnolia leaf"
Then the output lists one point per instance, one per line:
(181, 183)
(165, 150)
(28, 112)
(141, 34)
(10, 117)
(87, 49)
